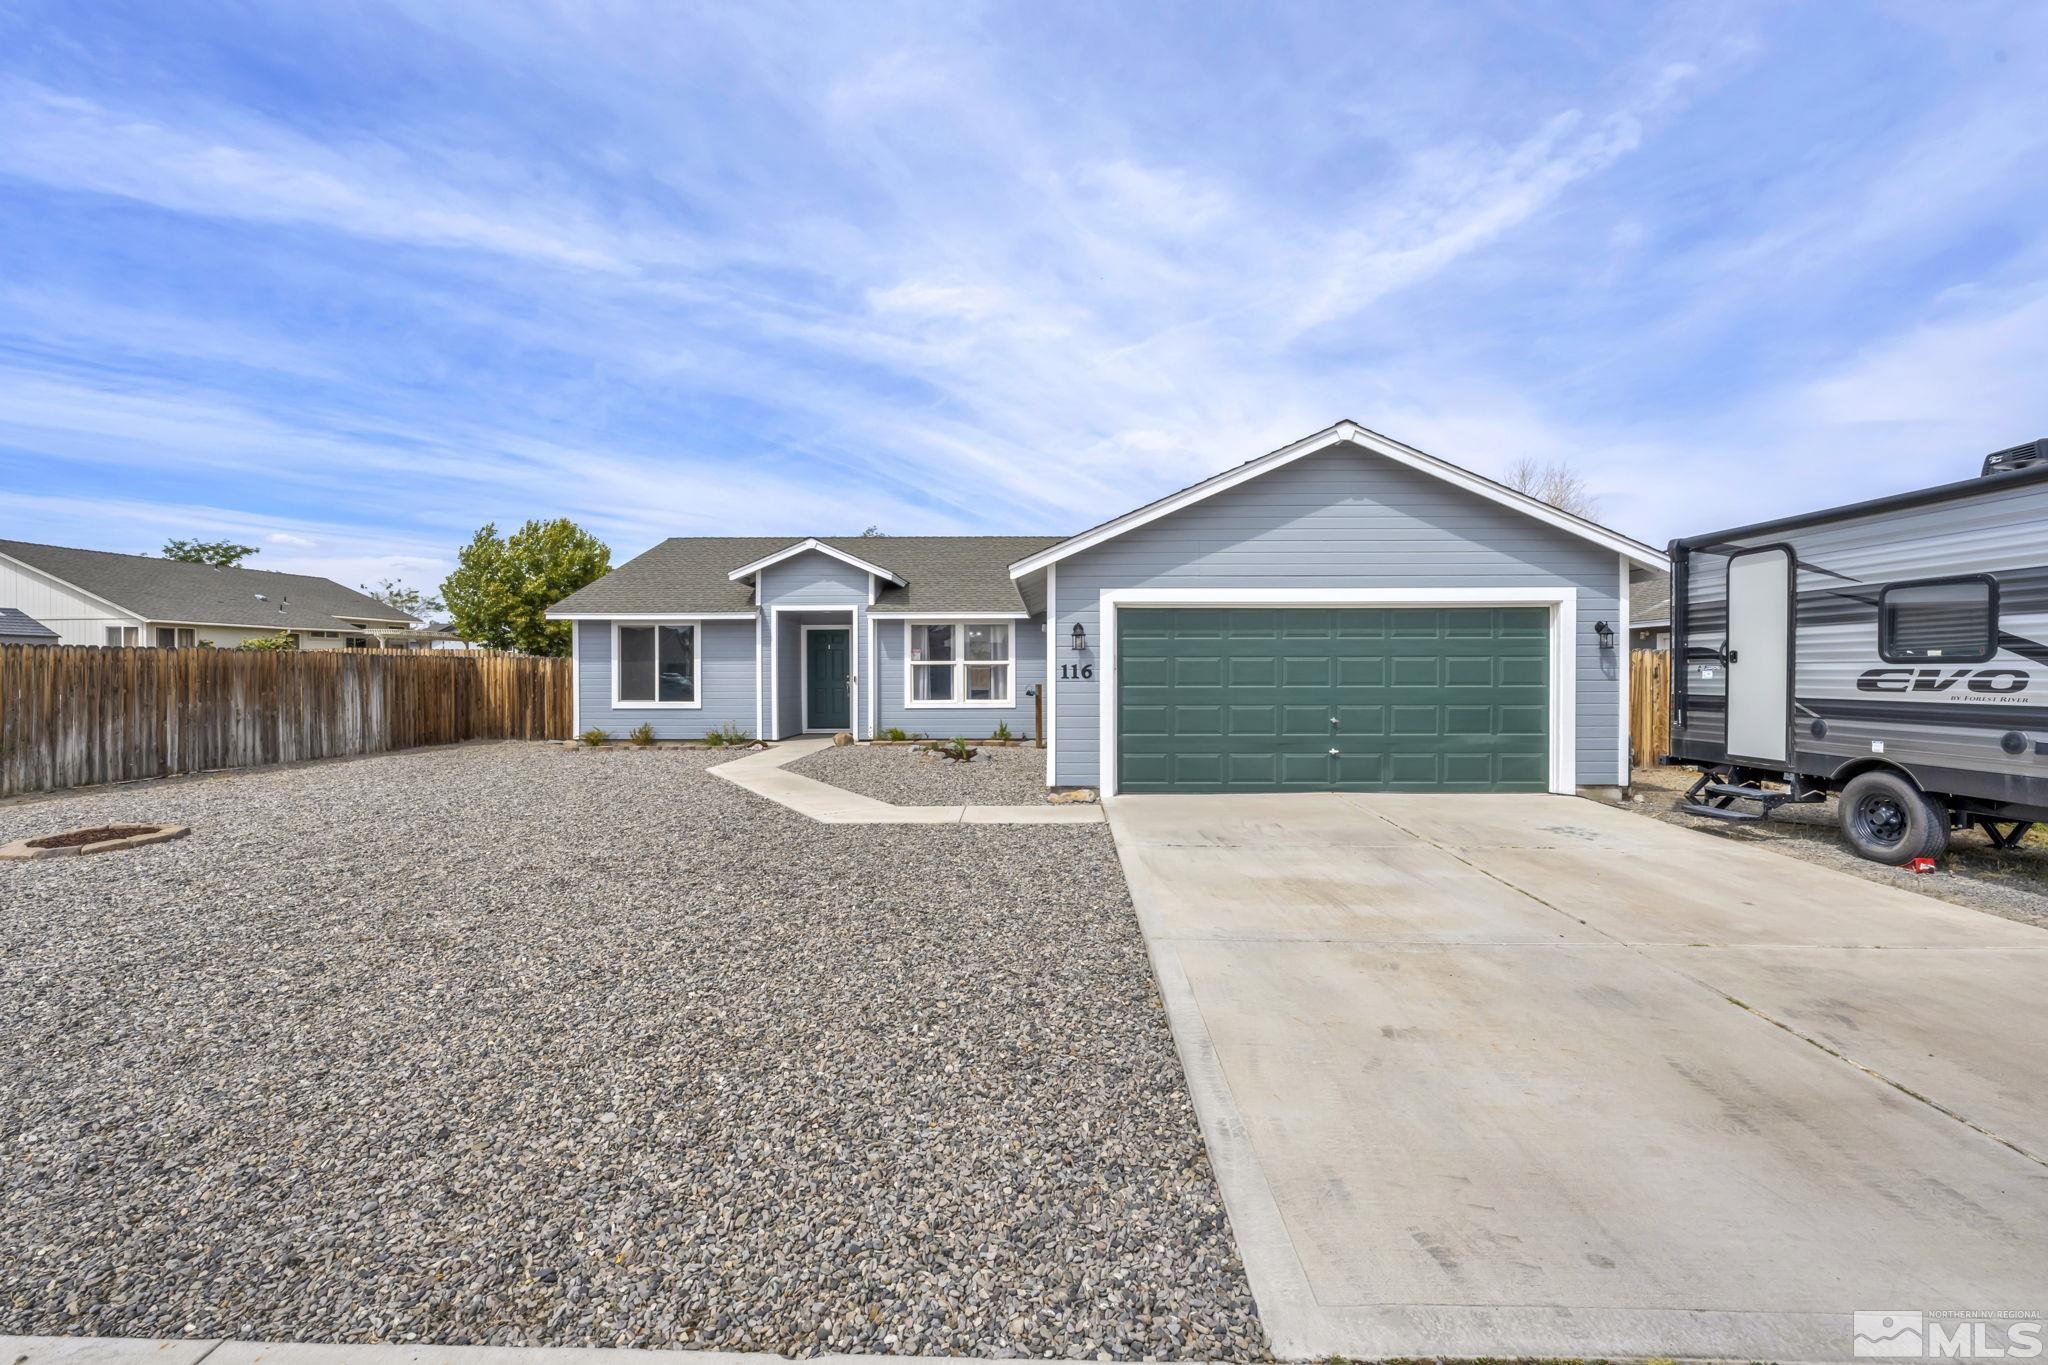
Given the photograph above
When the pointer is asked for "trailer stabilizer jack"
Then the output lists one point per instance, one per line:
(1714, 797)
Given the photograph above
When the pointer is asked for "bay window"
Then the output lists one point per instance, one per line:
(960, 663)
(654, 664)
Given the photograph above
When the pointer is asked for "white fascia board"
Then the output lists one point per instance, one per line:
(651, 615)
(952, 615)
(1634, 550)
(806, 547)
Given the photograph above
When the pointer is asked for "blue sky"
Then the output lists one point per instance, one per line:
(347, 281)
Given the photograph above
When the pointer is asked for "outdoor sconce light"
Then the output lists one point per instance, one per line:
(1080, 637)
(1606, 634)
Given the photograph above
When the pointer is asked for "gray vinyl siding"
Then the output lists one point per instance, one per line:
(966, 722)
(1343, 518)
(725, 684)
(809, 580)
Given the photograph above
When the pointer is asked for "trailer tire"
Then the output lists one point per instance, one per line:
(1887, 819)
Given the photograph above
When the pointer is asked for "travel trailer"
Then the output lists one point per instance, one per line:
(1892, 652)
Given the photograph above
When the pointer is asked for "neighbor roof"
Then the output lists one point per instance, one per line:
(17, 626)
(171, 590)
(690, 575)
(1352, 432)
(1649, 602)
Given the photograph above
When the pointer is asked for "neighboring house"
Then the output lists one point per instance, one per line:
(94, 597)
(1344, 613)
(1649, 612)
(19, 628)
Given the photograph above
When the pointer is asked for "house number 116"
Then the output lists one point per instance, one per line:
(1077, 670)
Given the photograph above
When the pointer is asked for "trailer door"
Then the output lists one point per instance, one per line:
(1760, 654)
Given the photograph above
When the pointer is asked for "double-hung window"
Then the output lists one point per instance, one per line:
(961, 663)
(654, 664)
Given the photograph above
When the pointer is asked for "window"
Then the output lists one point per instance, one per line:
(656, 665)
(123, 635)
(960, 663)
(1949, 619)
(176, 637)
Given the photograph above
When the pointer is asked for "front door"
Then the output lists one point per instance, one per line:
(828, 692)
(1759, 655)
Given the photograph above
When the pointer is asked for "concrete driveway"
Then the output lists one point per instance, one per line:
(1529, 1075)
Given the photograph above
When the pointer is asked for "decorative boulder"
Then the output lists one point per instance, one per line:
(1073, 796)
(841, 740)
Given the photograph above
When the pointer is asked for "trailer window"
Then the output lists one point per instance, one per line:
(1953, 620)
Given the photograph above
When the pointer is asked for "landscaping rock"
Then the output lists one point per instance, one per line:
(493, 1046)
(919, 777)
(1072, 796)
(841, 740)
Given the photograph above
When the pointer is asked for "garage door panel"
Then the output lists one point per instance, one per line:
(1413, 699)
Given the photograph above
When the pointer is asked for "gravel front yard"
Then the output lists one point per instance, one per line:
(514, 1045)
(2012, 885)
(906, 776)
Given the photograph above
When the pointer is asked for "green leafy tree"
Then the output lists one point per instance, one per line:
(283, 642)
(222, 554)
(503, 586)
(412, 601)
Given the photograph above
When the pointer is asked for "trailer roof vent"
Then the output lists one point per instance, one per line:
(2015, 458)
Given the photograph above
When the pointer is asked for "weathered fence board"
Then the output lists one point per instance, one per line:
(1649, 704)
(74, 716)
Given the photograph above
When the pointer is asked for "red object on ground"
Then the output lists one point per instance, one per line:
(1920, 865)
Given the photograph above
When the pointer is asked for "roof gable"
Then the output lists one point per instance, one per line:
(813, 545)
(1346, 432)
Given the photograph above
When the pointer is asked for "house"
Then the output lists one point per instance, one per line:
(19, 628)
(1345, 612)
(1649, 612)
(94, 597)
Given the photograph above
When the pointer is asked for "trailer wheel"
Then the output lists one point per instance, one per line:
(1887, 819)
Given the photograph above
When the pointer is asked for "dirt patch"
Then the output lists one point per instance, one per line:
(73, 838)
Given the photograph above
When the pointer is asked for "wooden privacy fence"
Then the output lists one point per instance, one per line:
(1649, 703)
(73, 716)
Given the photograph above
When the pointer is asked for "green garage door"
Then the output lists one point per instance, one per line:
(1352, 699)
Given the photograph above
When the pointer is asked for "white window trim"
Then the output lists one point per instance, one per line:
(1564, 617)
(696, 661)
(803, 679)
(1009, 700)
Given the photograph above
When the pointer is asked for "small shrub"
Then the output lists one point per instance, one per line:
(895, 734)
(729, 736)
(643, 736)
(1002, 731)
(282, 642)
(956, 749)
(716, 739)
(593, 737)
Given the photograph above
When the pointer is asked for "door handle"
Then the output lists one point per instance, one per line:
(1333, 753)
(1333, 720)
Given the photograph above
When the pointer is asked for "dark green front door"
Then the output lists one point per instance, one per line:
(828, 697)
(1341, 699)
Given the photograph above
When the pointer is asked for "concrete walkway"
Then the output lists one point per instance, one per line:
(217, 1351)
(1530, 1076)
(764, 774)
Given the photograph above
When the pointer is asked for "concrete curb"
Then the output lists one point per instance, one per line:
(763, 774)
(226, 1351)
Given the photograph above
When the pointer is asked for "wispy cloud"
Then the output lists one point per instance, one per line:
(354, 281)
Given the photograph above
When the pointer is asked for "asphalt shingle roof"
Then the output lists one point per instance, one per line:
(174, 591)
(689, 573)
(1650, 600)
(18, 627)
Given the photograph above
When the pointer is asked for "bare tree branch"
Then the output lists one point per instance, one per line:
(1557, 484)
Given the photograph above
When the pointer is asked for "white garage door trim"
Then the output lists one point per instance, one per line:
(1564, 624)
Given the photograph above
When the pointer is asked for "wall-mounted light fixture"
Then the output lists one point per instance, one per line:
(1606, 634)
(1080, 637)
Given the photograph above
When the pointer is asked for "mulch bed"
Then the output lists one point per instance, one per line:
(92, 836)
